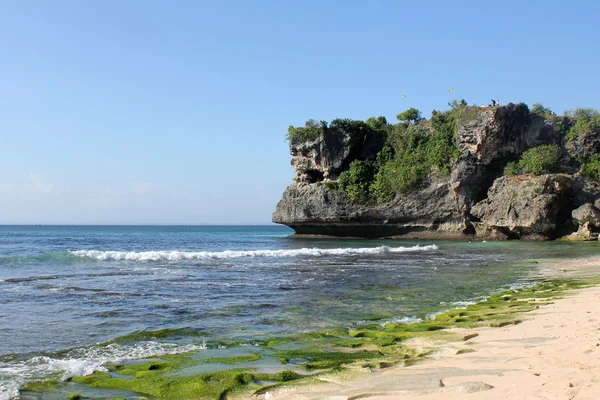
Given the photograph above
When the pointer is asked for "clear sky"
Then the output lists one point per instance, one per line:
(171, 112)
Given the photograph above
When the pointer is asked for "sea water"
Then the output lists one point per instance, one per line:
(73, 298)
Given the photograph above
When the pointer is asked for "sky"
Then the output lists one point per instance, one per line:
(175, 112)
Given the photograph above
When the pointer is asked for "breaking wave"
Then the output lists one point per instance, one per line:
(200, 255)
(80, 362)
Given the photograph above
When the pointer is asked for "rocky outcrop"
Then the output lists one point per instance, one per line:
(315, 209)
(327, 156)
(587, 213)
(504, 132)
(523, 207)
(587, 217)
(475, 200)
(488, 142)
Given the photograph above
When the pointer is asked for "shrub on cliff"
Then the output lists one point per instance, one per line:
(539, 109)
(354, 128)
(412, 115)
(537, 160)
(512, 168)
(364, 181)
(559, 123)
(377, 123)
(441, 147)
(587, 122)
(380, 189)
(420, 151)
(310, 131)
(413, 152)
(591, 167)
(356, 181)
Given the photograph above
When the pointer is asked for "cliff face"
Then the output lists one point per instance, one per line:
(473, 200)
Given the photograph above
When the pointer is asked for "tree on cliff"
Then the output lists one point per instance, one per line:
(411, 115)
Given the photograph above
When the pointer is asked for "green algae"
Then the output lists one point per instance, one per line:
(46, 386)
(204, 386)
(156, 384)
(89, 379)
(331, 352)
(497, 310)
(275, 342)
(74, 396)
(159, 334)
(323, 359)
(155, 379)
(231, 360)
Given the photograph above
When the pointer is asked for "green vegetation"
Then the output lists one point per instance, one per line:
(377, 123)
(322, 359)
(591, 167)
(421, 151)
(537, 160)
(558, 123)
(232, 360)
(153, 379)
(412, 115)
(414, 151)
(310, 131)
(539, 109)
(357, 180)
(587, 123)
(158, 334)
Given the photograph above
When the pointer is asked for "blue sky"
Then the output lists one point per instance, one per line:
(157, 112)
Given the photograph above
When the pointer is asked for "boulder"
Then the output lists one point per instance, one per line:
(527, 207)
(584, 232)
(587, 214)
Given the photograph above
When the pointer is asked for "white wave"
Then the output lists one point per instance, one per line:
(402, 321)
(459, 304)
(199, 255)
(8, 390)
(81, 362)
(522, 286)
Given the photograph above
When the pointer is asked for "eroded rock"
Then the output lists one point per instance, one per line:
(526, 207)
(474, 200)
(587, 214)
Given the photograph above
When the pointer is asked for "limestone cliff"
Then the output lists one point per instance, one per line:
(473, 200)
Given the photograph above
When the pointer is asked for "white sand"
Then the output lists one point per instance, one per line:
(553, 354)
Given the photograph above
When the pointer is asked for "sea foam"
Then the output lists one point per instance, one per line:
(199, 255)
(81, 362)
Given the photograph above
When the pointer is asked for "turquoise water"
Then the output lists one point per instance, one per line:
(73, 298)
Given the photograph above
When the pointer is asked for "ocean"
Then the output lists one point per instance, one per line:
(73, 298)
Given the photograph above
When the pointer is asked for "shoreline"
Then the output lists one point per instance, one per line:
(370, 361)
(554, 352)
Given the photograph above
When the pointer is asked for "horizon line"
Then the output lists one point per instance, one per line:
(222, 224)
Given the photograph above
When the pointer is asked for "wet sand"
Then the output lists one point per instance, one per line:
(553, 354)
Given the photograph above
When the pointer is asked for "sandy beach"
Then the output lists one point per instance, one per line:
(553, 354)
